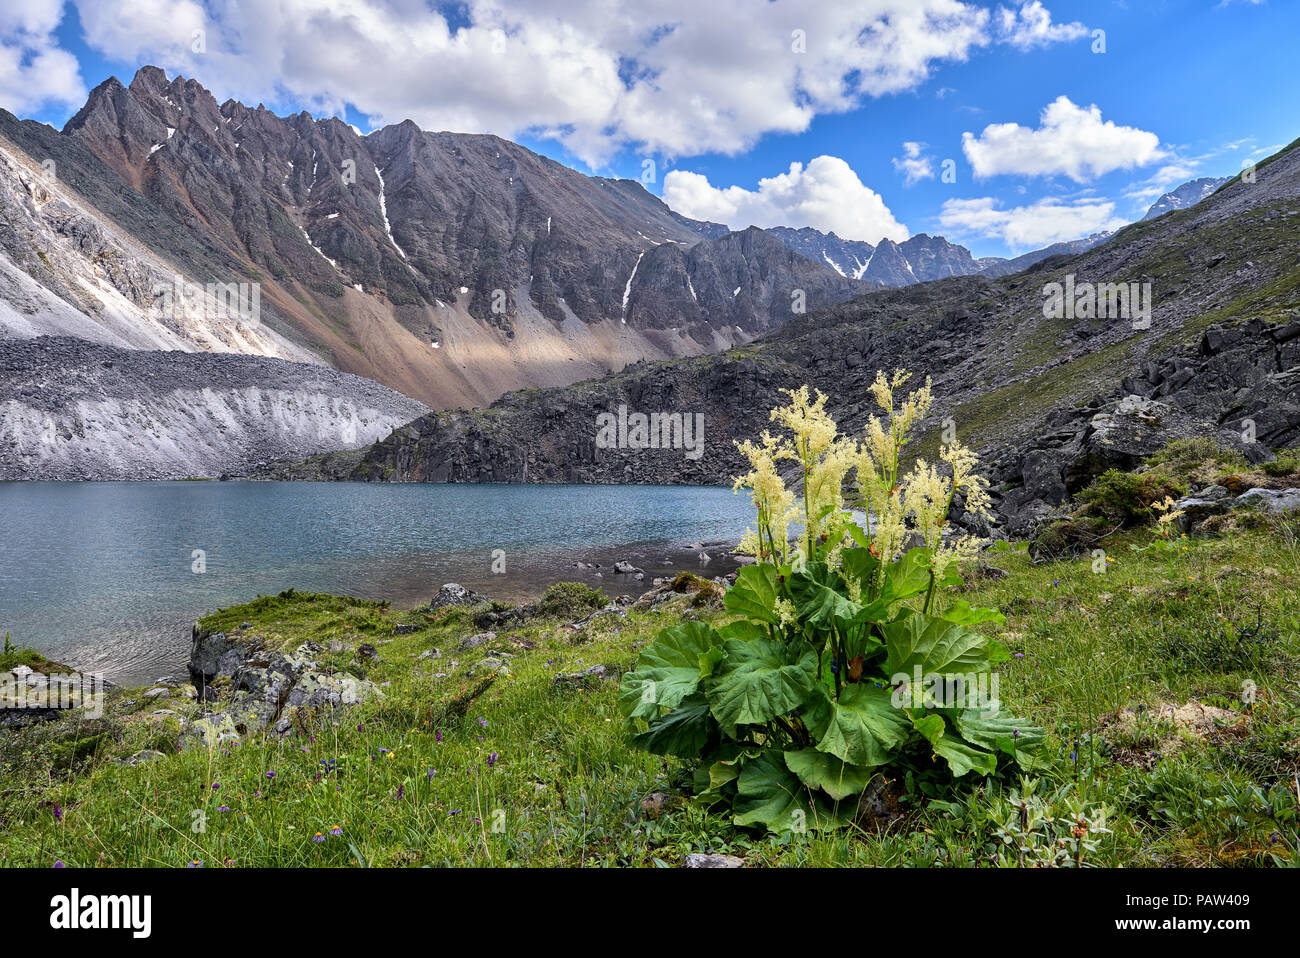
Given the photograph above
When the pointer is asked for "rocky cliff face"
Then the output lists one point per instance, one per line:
(70, 409)
(67, 270)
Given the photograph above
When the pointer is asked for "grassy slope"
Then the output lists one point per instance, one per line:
(565, 789)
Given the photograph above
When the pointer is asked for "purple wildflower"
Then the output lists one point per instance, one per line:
(492, 760)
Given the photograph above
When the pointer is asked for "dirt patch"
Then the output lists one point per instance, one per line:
(1139, 735)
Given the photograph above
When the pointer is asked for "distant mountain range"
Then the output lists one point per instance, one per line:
(916, 260)
(1189, 194)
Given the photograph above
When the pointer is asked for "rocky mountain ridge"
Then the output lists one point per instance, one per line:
(918, 259)
(448, 266)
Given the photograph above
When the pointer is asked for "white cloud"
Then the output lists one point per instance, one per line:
(826, 195)
(673, 76)
(1031, 26)
(1162, 181)
(914, 164)
(1029, 227)
(34, 72)
(1070, 140)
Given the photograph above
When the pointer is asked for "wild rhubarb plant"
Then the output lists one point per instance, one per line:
(848, 657)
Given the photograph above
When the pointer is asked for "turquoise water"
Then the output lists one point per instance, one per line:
(101, 575)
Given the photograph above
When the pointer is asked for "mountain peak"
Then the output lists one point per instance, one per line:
(149, 77)
(1188, 194)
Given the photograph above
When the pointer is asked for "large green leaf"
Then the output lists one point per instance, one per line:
(715, 778)
(820, 770)
(931, 726)
(670, 669)
(768, 793)
(820, 599)
(1003, 733)
(862, 728)
(963, 613)
(755, 593)
(962, 758)
(861, 565)
(910, 575)
(758, 680)
(743, 629)
(685, 731)
(936, 645)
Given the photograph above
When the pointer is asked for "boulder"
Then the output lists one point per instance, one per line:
(316, 690)
(213, 654)
(209, 732)
(1270, 500)
(1196, 509)
(587, 678)
(144, 756)
(454, 594)
(714, 861)
(474, 641)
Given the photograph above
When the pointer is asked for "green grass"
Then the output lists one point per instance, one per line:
(410, 780)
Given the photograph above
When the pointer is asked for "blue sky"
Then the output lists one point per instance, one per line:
(1047, 139)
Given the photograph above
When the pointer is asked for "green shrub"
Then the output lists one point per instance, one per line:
(1126, 498)
(1281, 467)
(841, 663)
(1182, 456)
(1067, 538)
(570, 599)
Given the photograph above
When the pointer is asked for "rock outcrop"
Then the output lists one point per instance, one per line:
(257, 688)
